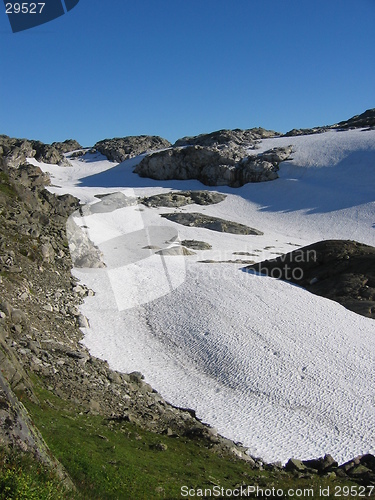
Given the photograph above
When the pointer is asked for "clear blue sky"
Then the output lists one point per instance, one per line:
(112, 68)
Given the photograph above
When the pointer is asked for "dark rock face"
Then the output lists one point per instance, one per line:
(213, 223)
(182, 198)
(212, 166)
(121, 149)
(339, 270)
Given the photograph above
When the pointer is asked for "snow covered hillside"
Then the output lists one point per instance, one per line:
(285, 372)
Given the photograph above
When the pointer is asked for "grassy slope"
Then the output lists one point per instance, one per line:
(109, 459)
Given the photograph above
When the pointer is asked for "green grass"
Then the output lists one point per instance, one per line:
(117, 460)
(22, 478)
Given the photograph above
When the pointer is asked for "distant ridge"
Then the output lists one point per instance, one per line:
(364, 120)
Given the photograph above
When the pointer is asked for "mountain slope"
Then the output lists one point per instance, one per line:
(263, 361)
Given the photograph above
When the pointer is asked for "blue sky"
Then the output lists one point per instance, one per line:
(183, 67)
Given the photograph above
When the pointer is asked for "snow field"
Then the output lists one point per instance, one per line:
(283, 371)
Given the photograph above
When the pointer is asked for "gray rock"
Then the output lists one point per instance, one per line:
(322, 465)
(18, 317)
(16, 151)
(82, 321)
(181, 198)
(5, 307)
(48, 253)
(295, 465)
(83, 252)
(66, 146)
(212, 223)
(196, 245)
(176, 250)
(212, 166)
(121, 149)
(222, 137)
(364, 120)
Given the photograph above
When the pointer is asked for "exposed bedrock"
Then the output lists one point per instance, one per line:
(212, 223)
(182, 198)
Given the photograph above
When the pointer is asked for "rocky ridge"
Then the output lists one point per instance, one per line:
(364, 120)
(228, 138)
(16, 151)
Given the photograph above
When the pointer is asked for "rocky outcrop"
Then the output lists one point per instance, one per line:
(212, 223)
(364, 120)
(121, 149)
(196, 244)
(213, 166)
(16, 151)
(305, 131)
(340, 270)
(360, 469)
(228, 138)
(182, 198)
(66, 146)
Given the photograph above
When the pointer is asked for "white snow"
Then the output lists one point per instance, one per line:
(283, 371)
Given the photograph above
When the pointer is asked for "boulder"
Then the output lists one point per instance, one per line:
(295, 465)
(181, 198)
(213, 166)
